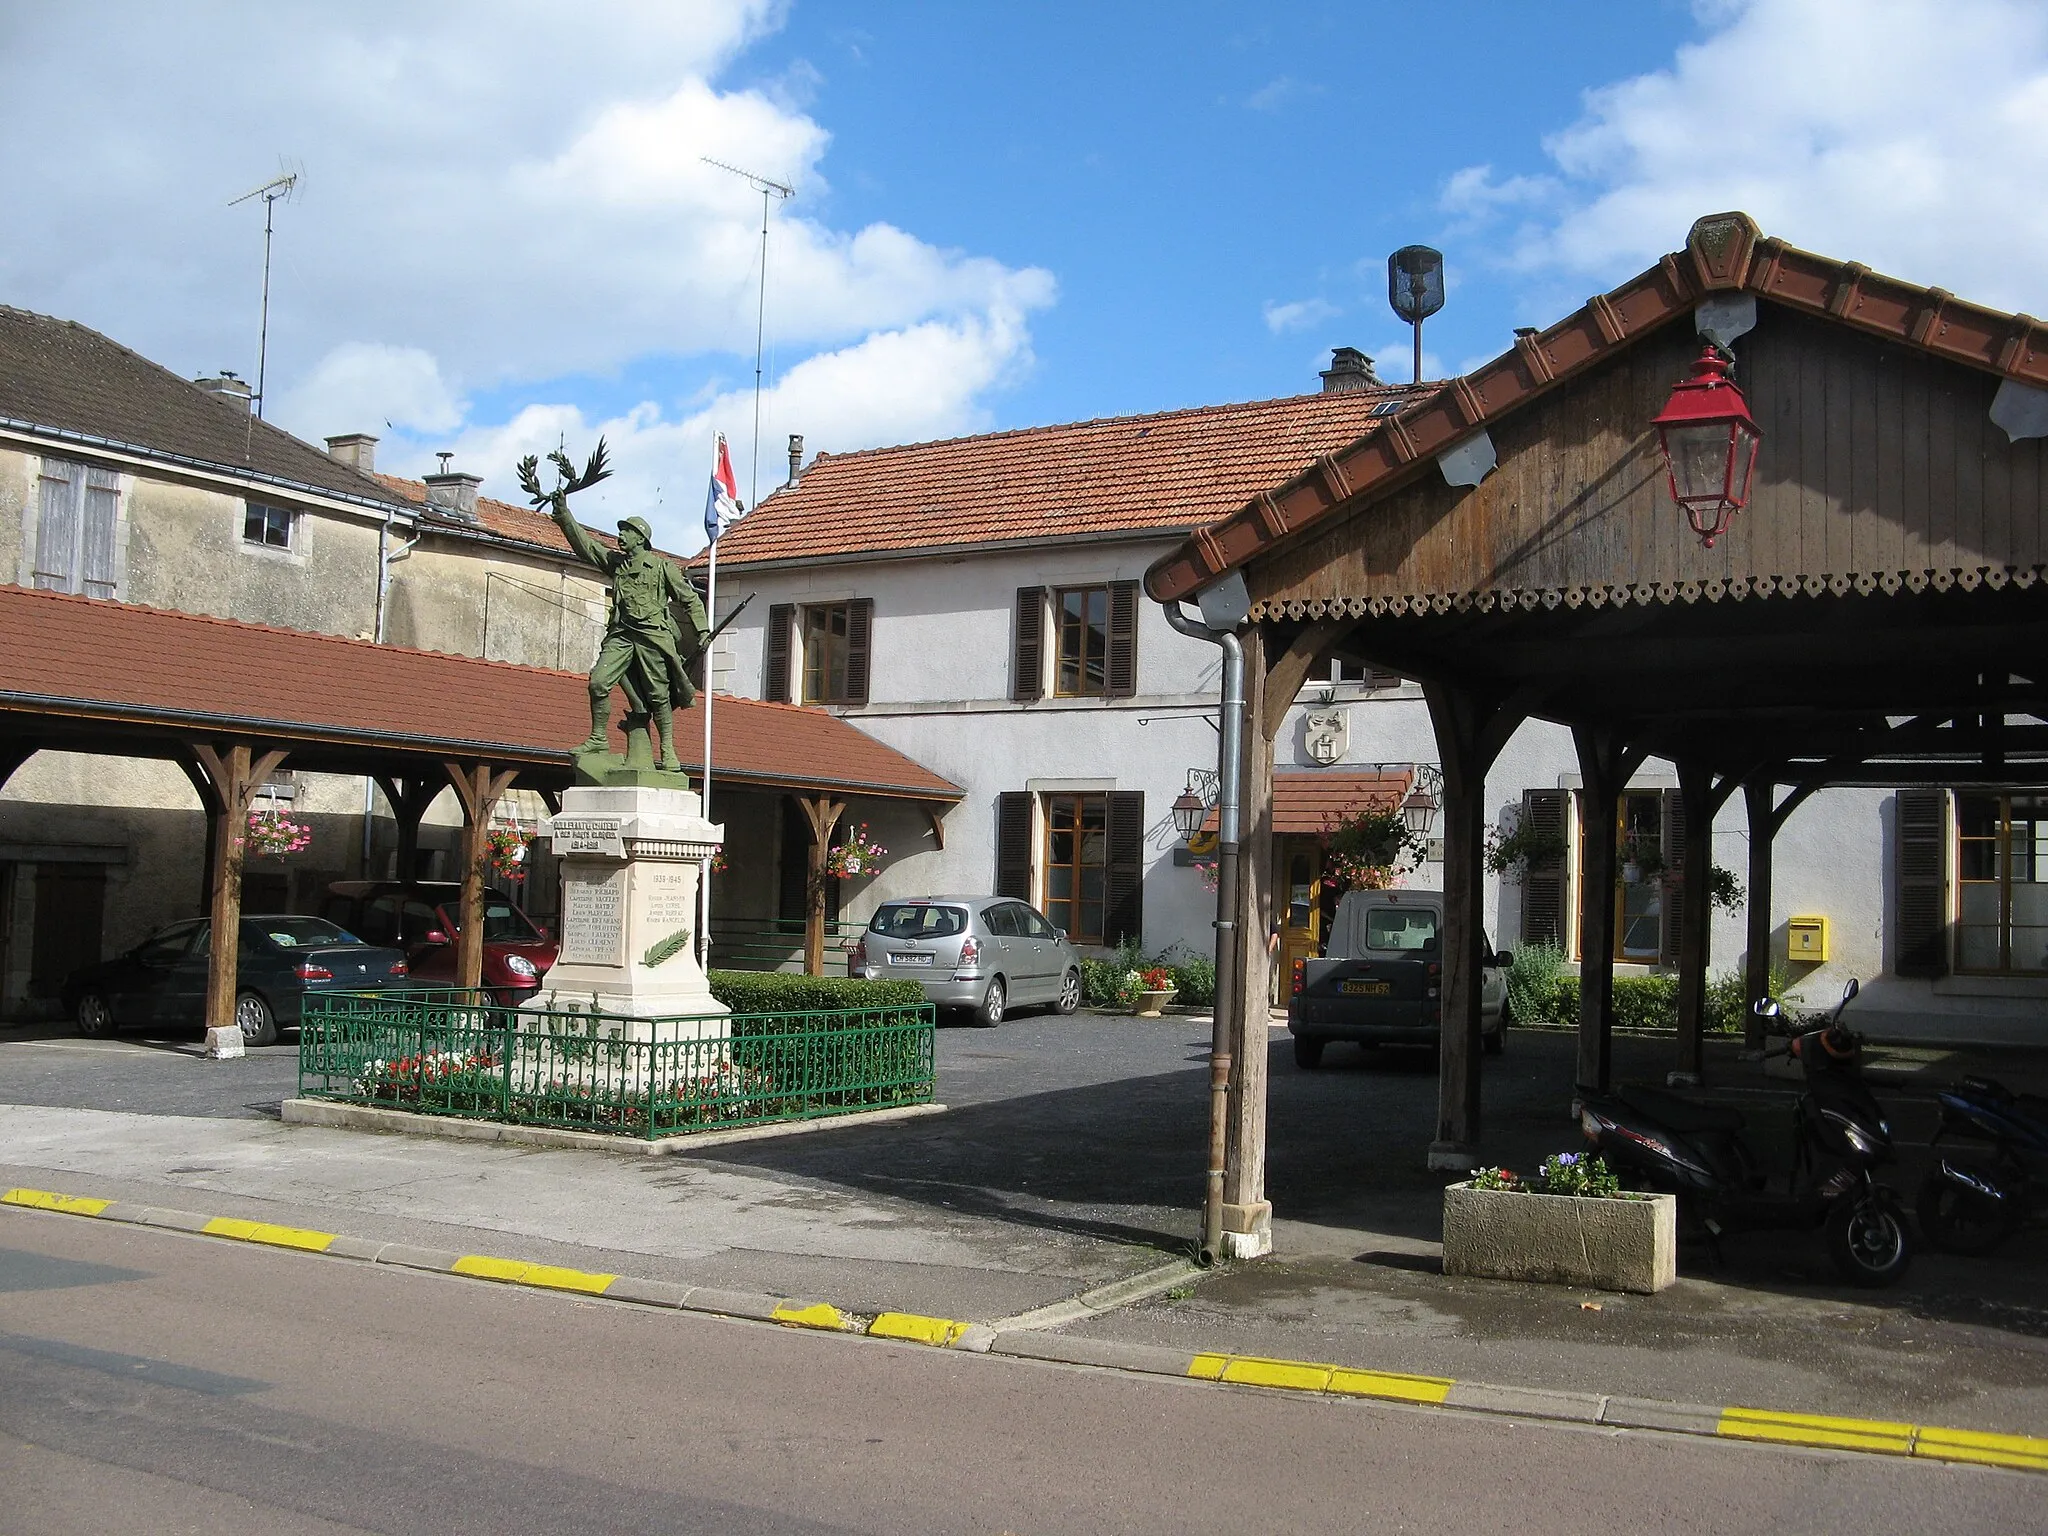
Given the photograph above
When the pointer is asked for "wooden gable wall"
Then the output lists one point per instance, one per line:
(1879, 469)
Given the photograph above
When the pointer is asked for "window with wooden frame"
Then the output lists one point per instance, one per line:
(78, 511)
(1079, 856)
(1092, 648)
(2001, 922)
(821, 648)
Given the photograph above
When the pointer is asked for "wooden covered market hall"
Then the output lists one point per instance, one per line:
(1872, 613)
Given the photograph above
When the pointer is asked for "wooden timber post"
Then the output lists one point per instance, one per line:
(1766, 815)
(1471, 728)
(480, 789)
(233, 775)
(1701, 795)
(1606, 763)
(408, 798)
(822, 814)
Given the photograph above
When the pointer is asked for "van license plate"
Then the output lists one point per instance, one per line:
(910, 959)
(1365, 988)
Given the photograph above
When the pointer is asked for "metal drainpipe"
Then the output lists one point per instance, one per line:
(1230, 756)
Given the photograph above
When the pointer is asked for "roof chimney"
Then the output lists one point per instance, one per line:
(355, 449)
(227, 387)
(1349, 369)
(796, 456)
(452, 493)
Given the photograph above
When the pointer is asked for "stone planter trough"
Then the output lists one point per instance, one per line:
(1149, 1003)
(1611, 1245)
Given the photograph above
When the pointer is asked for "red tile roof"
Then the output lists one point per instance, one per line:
(1309, 799)
(1724, 253)
(1124, 474)
(522, 525)
(93, 662)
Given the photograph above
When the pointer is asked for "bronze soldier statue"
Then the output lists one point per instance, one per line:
(654, 623)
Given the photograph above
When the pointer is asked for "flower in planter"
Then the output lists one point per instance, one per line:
(273, 834)
(1156, 978)
(1370, 847)
(858, 855)
(506, 848)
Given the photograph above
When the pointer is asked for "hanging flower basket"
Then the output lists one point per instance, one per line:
(273, 834)
(859, 855)
(1369, 848)
(717, 862)
(507, 849)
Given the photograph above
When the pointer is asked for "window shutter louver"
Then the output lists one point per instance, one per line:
(1121, 676)
(860, 624)
(1027, 676)
(1922, 878)
(57, 525)
(781, 620)
(1671, 846)
(1123, 916)
(1546, 887)
(1013, 845)
(102, 515)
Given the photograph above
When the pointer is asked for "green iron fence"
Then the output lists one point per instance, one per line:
(444, 1051)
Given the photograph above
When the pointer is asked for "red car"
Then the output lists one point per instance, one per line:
(420, 918)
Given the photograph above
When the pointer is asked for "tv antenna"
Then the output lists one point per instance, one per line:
(274, 191)
(1415, 287)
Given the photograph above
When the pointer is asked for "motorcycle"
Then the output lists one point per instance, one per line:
(1659, 1141)
(1971, 1203)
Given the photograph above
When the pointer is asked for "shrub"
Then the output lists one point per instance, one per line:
(1532, 981)
(1728, 999)
(1195, 979)
(781, 992)
(1113, 983)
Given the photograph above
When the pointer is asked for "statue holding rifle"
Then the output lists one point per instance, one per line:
(654, 623)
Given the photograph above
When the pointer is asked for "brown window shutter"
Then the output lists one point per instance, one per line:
(1546, 888)
(1123, 915)
(781, 620)
(1671, 847)
(860, 624)
(1922, 876)
(1013, 845)
(1027, 679)
(1121, 680)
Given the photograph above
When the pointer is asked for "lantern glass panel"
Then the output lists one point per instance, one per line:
(1699, 461)
(1187, 813)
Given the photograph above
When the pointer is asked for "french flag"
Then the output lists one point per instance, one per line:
(722, 506)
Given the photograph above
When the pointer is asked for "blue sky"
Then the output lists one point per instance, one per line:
(1006, 215)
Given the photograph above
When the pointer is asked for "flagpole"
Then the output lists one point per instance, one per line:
(704, 785)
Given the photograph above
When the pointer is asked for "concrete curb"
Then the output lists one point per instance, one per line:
(366, 1117)
(1018, 1339)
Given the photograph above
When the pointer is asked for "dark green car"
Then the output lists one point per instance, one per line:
(162, 980)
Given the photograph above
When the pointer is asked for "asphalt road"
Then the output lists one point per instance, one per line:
(150, 1381)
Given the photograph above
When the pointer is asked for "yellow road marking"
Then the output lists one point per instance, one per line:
(916, 1329)
(1250, 1371)
(49, 1200)
(1406, 1389)
(822, 1315)
(1817, 1429)
(548, 1276)
(264, 1232)
(2025, 1452)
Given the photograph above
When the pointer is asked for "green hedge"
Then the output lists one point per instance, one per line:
(1640, 1002)
(782, 992)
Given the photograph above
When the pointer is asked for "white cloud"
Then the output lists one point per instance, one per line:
(504, 201)
(1299, 315)
(1911, 135)
(1276, 95)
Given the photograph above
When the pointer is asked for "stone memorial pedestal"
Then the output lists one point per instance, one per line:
(630, 857)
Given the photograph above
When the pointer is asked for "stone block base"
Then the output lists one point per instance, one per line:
(1451, 1157)
(224, 1044)
(1611, 1245)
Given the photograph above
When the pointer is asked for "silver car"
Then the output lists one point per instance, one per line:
(987, 953)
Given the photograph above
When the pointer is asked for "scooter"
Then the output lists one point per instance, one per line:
(1659, 1141)
(1971, 1202)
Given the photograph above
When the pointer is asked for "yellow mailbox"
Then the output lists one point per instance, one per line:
(1806, 940)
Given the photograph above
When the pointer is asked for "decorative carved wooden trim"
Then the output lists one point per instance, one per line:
(1848, 288)
(1270, 516)
(1928, 321)
(1333, 473)
(1607, 317)
(2016, 346)
(1531, 354)
(1396, 432)
(1471, 409)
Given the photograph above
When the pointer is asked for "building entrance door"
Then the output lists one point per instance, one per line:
(1297, 882)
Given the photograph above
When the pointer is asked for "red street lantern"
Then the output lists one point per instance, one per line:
(1709, 441)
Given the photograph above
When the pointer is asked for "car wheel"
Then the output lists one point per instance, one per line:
(1070, 993)
(1308, 1052)
(95, 1017)
(990, 1013)
(259, 1025)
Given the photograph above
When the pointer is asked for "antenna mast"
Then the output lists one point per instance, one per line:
(272, 191)
(772, 191)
